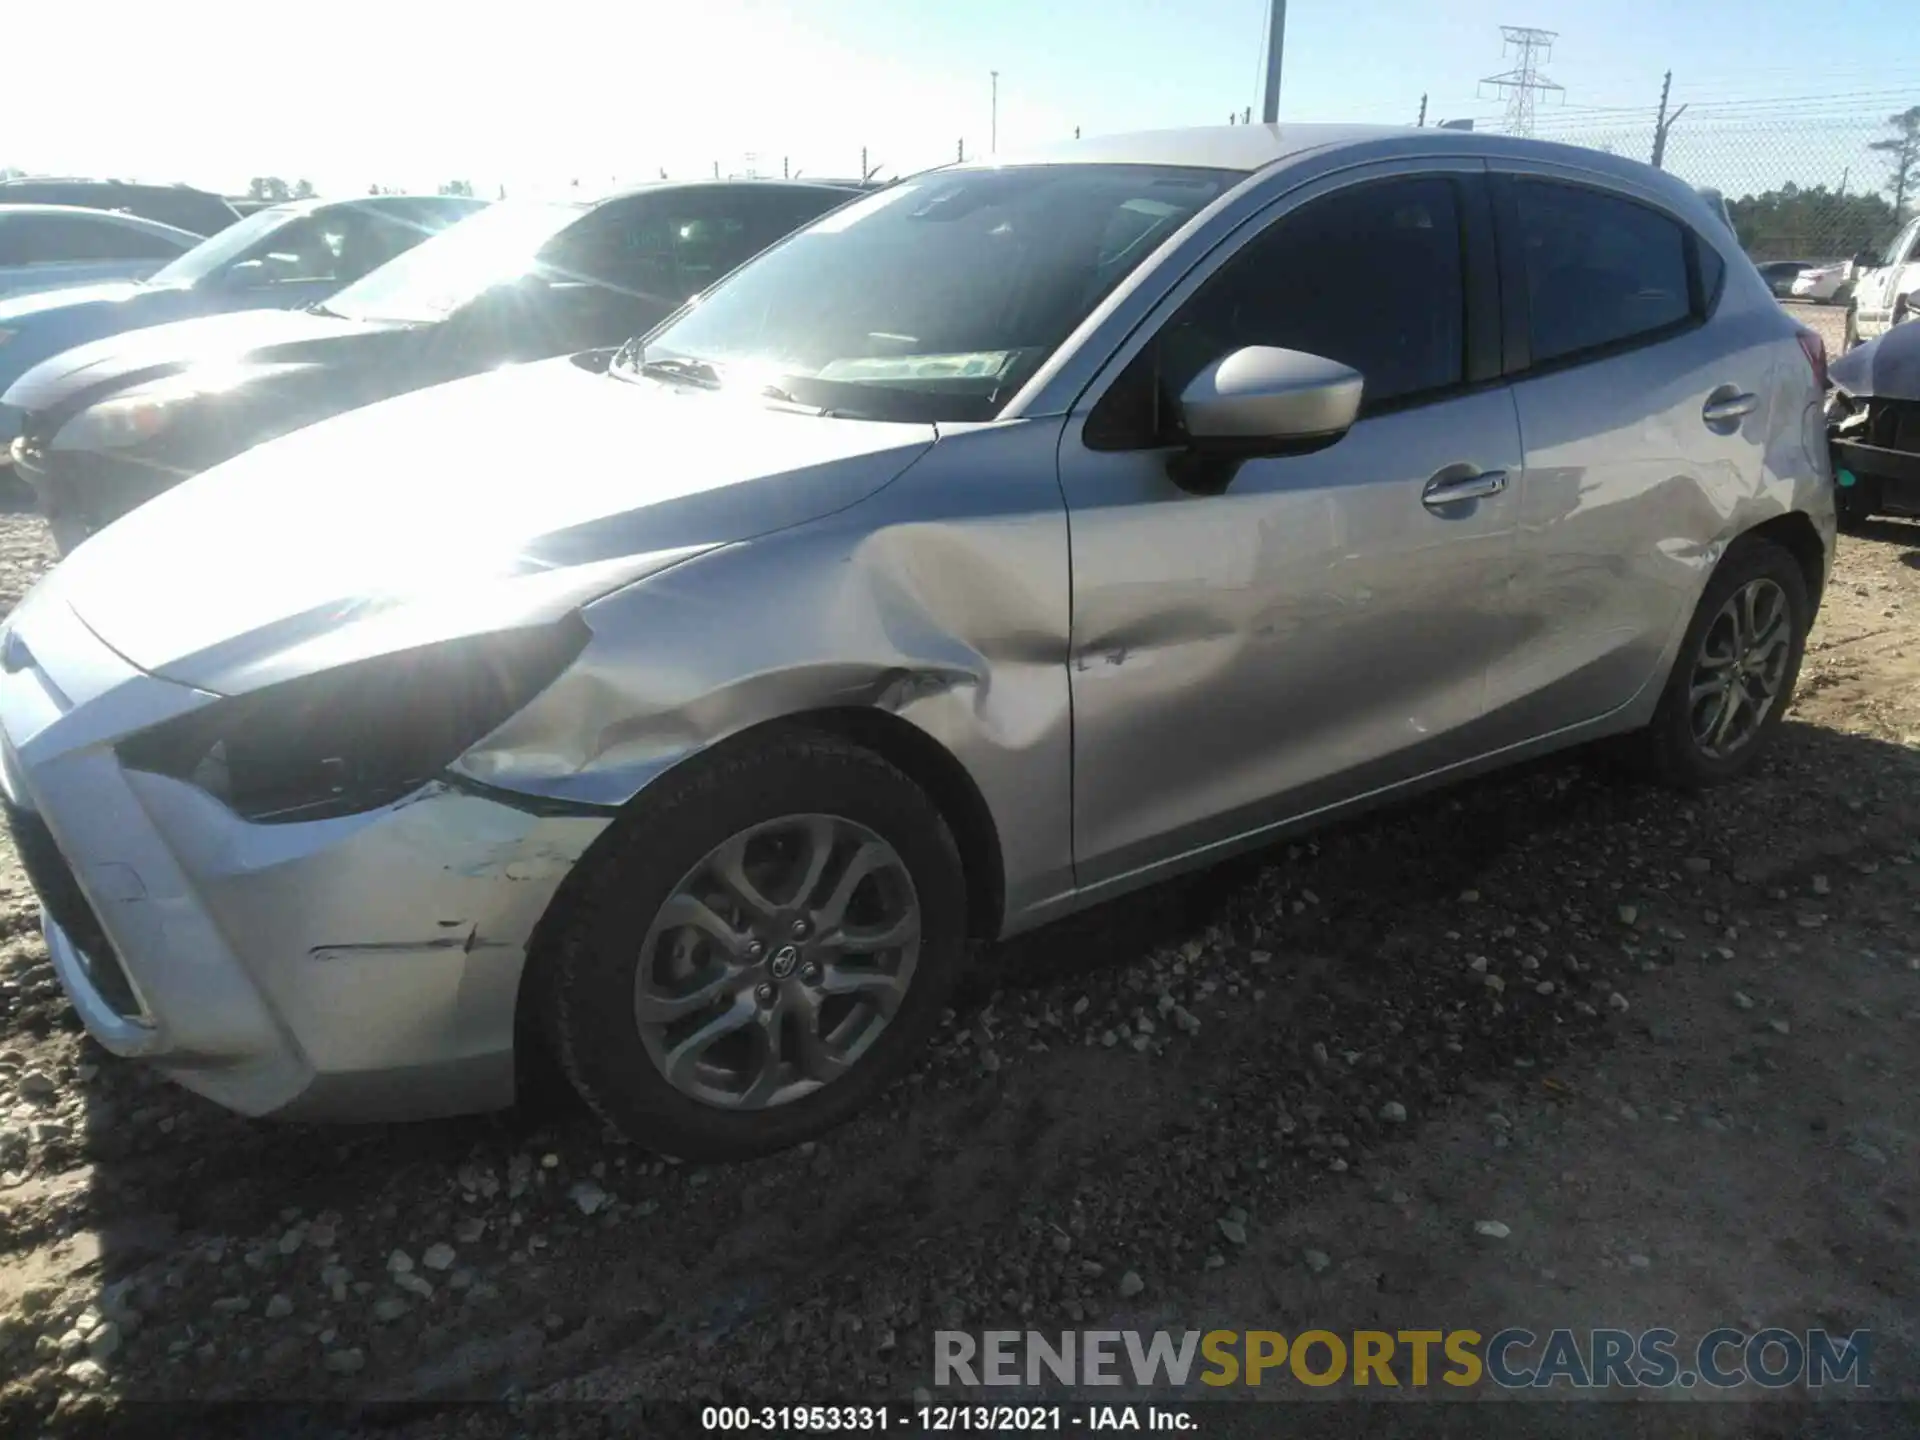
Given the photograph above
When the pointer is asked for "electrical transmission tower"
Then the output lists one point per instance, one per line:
(1528, 48)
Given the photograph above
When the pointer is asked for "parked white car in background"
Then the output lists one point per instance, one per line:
(49, 247)
(1889, 291)
(1830, 284)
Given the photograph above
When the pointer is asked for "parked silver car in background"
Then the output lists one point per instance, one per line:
(49, 247)
(1008, 539)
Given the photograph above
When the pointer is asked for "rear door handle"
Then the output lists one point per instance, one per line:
(1444, 490)
(1728, 408)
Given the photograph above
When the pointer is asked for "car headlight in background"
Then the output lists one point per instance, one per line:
(351, 739)
(142, 412)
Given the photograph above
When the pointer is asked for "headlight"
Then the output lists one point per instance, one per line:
(6, 334)
(127, 418)
(361, 736)
(135, 415)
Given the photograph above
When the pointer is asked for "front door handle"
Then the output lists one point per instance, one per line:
(1728, 408)
(1446, 489)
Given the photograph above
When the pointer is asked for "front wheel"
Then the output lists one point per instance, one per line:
(757, 948)
(1735, 673)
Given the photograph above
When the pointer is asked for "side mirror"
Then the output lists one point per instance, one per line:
(1261, 401)
(1864, 261)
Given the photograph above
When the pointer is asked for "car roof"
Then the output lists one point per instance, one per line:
(117, 217)
(312, 203)
(1212, 147)
(1249, 149)
(654, 187)
(172, 185)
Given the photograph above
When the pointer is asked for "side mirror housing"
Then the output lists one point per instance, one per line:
(1864, 261)
(1261, 401)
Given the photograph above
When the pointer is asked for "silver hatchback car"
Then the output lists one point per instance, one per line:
(1010, 538)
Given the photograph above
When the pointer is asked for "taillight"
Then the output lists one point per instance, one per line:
(1815, 349)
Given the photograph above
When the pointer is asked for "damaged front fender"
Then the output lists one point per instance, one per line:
(943, 600)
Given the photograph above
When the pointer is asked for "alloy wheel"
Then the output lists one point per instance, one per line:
(777, 962)
(1740, 668)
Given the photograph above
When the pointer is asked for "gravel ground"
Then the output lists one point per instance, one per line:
(1664, 1042)
(1829, 321)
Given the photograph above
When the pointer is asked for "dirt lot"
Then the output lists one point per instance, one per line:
(1666, 1043)
(1829, 321)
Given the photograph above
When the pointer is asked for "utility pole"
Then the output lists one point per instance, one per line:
(1421, 123)
(962, 152)
(1246, 116)
(1524, 80)
(1664, 124)
(993, 130)
(1276, 42)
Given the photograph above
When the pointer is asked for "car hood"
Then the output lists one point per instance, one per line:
(19, 307)
(504, 499)
(243, 337)
(1887, 368)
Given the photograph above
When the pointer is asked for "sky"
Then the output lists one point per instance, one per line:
(408, 93)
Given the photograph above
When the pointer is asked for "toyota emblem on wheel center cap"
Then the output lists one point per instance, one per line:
(783, 962)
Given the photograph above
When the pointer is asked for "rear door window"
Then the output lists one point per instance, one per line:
(1600, 270)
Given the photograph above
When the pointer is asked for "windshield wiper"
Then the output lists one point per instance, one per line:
(676, 367)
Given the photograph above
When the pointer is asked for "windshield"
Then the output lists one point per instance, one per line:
(934, 299)
(1897, 250)
(438, 276)
(216, 252)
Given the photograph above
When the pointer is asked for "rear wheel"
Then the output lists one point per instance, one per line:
(1735, 673)
(757, 949)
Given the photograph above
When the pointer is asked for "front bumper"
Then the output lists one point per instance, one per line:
(365, 967)
(81, 491)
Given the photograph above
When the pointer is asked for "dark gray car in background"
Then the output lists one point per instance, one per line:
(181, 206)
(281, 257)
(109, 425)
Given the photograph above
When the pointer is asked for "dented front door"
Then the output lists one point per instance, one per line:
(1325, 627)
(1314, 633)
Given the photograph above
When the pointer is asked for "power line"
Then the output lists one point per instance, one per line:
(1524, 80)
(1841, 106)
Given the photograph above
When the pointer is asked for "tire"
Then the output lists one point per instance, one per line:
(68, 533)
(1850, 330)
(1668, 750)
(1857, 503)
(602, 953)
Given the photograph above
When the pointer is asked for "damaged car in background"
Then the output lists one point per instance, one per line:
(996, 545)
(1873, 417)
(106, 426)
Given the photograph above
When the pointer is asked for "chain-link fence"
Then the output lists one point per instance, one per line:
(1813, 184)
